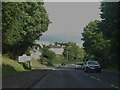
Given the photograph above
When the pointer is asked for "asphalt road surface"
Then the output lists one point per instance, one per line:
(71, 78)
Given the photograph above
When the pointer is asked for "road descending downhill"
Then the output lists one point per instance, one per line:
(71, 78)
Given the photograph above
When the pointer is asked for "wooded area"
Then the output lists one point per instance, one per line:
(101, 37)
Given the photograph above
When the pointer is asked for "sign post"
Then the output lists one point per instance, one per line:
(25, 59)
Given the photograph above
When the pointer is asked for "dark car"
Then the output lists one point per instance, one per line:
(92, 66)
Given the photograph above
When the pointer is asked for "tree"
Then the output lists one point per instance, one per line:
(23, 23)
(95, 44)
(73, 53)
(101, 38)
(110, 27)
(48, 55)
(109, 18)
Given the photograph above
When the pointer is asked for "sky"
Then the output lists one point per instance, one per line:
(68, 20)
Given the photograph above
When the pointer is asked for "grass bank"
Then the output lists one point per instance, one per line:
(10, 67)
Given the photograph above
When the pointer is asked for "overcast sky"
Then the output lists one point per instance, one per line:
(68, 20)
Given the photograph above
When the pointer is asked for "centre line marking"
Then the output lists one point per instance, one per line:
(114, 86)
(95, 78)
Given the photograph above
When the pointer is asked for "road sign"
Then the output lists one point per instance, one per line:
(24, 58)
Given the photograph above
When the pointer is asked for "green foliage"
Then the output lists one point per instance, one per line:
(47, 55)
(110, 26)
(94, 42)
(58, 60)
(73, 53)
(27, 65)
(101, 37)
(110, 18)
(93, 37)
(22, 24)
(10, 66)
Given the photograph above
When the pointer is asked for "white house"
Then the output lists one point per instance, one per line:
(35, 54)
(57, 50)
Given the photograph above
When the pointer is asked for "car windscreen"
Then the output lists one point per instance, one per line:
(79, 64)
(93, 63)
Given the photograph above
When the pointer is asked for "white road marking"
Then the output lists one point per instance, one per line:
(110, 85)
(98, 79)
(95, 78)
(114, 86)
(92, 77)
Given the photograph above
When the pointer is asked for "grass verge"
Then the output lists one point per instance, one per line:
(10, 67)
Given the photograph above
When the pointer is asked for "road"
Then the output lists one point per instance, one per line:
(71, 78)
